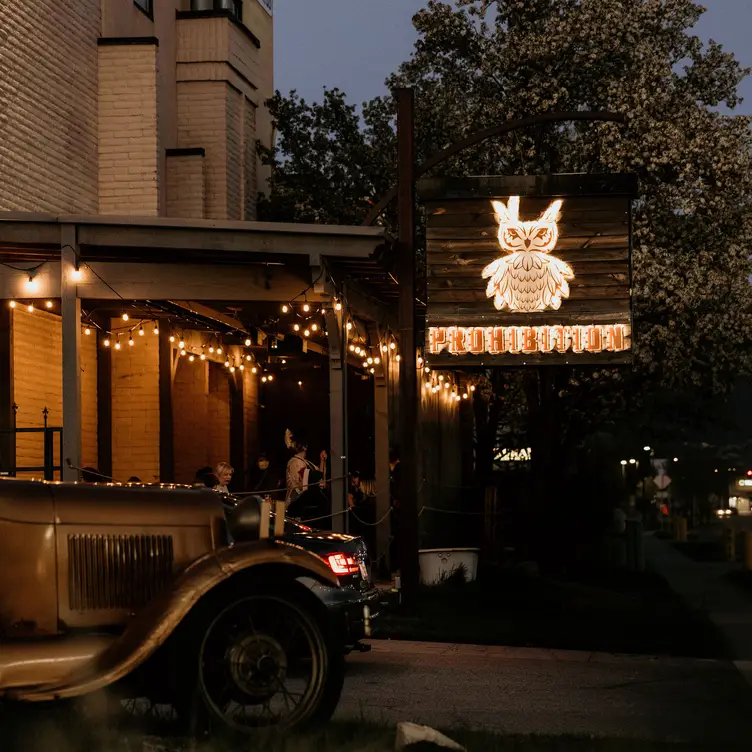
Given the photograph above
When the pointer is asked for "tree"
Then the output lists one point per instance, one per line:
(478, 63)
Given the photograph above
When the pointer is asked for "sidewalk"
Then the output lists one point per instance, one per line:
(703, 586)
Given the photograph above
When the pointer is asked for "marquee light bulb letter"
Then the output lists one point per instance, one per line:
(528, 279)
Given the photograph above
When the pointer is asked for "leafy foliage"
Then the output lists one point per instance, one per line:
(476, 64)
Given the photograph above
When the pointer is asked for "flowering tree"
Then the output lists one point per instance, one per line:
(476, 64)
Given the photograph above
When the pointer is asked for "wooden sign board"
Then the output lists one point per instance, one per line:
(528, 270)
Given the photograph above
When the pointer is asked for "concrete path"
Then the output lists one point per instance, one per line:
(530, 691)
(704, 586)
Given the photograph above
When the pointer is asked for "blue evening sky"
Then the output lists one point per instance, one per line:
(355, 44)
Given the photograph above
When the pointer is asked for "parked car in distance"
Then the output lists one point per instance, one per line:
(138, 588)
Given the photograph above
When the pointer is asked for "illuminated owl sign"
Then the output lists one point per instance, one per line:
(528, 270)
(528, 279)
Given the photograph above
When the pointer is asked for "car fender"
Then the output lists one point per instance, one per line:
(151, 626)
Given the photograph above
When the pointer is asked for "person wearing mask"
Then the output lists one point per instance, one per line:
(264, 480)
(224, 472)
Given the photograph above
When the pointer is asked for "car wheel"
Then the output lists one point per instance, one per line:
(267, 657)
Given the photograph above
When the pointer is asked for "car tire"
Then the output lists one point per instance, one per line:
(205, 637)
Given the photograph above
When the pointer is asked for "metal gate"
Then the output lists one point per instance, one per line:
(49, 435)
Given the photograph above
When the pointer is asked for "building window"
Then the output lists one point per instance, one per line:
(146, 6)
(268, 6)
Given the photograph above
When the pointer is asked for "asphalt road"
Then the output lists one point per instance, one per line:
(525, 691)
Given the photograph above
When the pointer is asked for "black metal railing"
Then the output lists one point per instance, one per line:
(51, 435)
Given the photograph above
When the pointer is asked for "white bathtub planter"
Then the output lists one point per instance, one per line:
(436, 564)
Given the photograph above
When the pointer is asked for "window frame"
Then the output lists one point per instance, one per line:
(146, 7)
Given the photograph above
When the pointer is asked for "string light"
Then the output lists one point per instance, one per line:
(373, 370)
(247, 357)
(172, 338)
(370, 361)
(49, 304)
(77, 275)
(248, 343)
(392, 346)
(441, 377)
(12, 303)
(117, 343)
(398, 358)
(446, 385)
(263, 378)
(338, 306)
(384, 348)
(427, 369)
(106, 342)
(125, 317)
(241, 367)
(464, 396)
(32, 284)
(270, 377)
(219, 351)
(140, 331)
(30, 308)
(285, 308)
(181, 345)
(306, 307)
(87, 331)
(315, 327)
(377, 360)
(232, 369)
(349, 326)
(202, 356)
(300, 383)
(227, 363)
(296, 327)
(191, 358)
(182, 353)
(284, 362)
(130, 341)
(156, 328)
(352, 348)
(472, 387)
(254, 369)
(211, 348)
(307, 333)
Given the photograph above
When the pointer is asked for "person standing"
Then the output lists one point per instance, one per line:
(224, 472)
(264, 480)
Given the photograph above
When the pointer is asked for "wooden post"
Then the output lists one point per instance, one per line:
(166, 429)
(408, 418)
(337, 418)
(381, 438)
(238, 455)
(7, 419)
(71, 310)
(104, 402)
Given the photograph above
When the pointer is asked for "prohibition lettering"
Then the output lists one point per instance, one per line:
(525, 340)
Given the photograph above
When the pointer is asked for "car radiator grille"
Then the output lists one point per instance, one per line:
(117, 571)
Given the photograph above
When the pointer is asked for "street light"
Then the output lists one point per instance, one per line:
(623, 462)
(632, 462)
(646, 448)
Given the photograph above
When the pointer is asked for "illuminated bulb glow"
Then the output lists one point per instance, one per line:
(32, 284)
(370, 360)
(247, 357)
(202, 356)
(254, 369)
(106, 342)
(296, 327)
(219, 351)
(232, 369)
(77, 275)
(130, 342)
(248, 343)
(117, 345)
(156, 329)
(140, 332)
(398, 358)
(263, 378)
(306, 307)
(352, 348)
(12, 303)
(270, 377)
(472, 388)
(87, 331)
(172, 338)
(191, 358)
(338, 306)
(285, 309)
(392, 346)
(315, 327)
(307, 333)
(181, 344)
(464, 396)
(241, 367)
(182, 353)
(377, 360)
(227, 364)
(300, 383)
(30, 308)
(349, 326)
(125, 317)
(211, 349)
(49, 304)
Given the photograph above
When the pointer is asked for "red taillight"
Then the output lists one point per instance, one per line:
(342, 563)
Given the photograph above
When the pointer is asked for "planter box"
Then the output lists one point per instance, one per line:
(438, 563)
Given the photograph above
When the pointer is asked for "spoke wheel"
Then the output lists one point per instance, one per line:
(266, 661)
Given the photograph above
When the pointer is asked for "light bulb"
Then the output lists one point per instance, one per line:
(140, 332)
(464, 396)
(30, 308)
(182, 353)
(131, 342)
(338, 306)
(219, 351)
(398, 358)
(202, 356)
(87, 331)
(306, 307)
(349, 326)
(248, 343)
(441, 377)
(285, 309)
(49, 304)
(426, 384)
(117, 345)
(315, 327)
(420, 362)
(263, 378)
(384, 348)
(247, 357)
(77, 275)
(181, 344)
(373, 370)
(300, 383)
(125, 317)
(352, 348)
(284, 362)
(172, 338)
(241, 367)
(392, 346)
(32, 284)
(271, 377)
(12, 303)
(446, 385)
(296, 327)
(377, 360)
(191, 358)
(623, 462)
(427, 369)
(227, 364)
(472, 388)
(211, 349)
(232, 369)
(106, 342)
(365, 364)
(254, 369)
(370, 360)
(307, 333)
(156, 329)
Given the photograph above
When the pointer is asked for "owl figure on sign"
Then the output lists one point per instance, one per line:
(528, 279)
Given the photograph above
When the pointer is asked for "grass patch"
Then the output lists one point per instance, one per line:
(608, 611)
(348, 736)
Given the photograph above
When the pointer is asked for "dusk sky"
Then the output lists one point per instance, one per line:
(355, 44)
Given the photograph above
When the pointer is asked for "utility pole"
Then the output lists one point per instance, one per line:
(408, 413)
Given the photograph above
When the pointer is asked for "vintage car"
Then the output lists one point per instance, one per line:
(161, 592)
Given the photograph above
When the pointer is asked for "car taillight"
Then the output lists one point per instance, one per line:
(342, 563)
